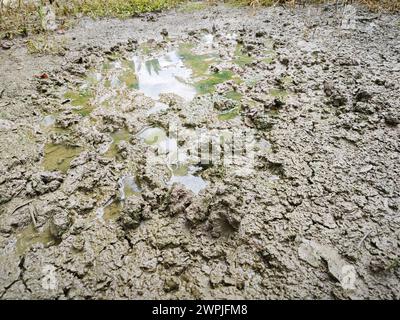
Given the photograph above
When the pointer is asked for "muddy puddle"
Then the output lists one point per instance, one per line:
(185, 175)
(164, 74)
(59, 156)
(117, 137)
(143, 86)
(31, 236)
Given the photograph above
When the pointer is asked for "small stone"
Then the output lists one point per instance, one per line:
(366, 168)
(308, 253)
(78, 243)
(171, 284)
(6, 45)
(363, 96)
(164, 32)
(365, 108)
(60, 222)
(284, 61)
(392, 119)
(260, 34)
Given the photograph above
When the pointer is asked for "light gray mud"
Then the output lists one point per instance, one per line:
(87, 211)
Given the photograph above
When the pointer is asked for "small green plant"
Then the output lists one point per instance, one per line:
(189, 7)
(28, 17)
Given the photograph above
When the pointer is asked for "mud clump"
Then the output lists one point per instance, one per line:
(60, 222)
(43, 182)
(180, 200)
(134, 211)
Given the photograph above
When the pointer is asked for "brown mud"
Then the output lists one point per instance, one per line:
(89, 209)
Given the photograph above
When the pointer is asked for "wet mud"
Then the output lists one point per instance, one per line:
(103, 194)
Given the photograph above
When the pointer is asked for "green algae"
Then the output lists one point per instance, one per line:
(287, 81)
(79, 98)
(208, 85)
(269, 56)
(84, 112)
(106, 66)
(240, 58)
(180, 170)
(199, 64)
(112, 211)
(128, 77)
(233, 95)
(279, 93)
(230, 114)
(117, 136)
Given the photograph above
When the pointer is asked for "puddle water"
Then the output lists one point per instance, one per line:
(152, 136)
(164, 74)
(274, 178)
(264, 145)
(233, 95)
(112, 211)
(269, 53)
(48, 121)
(59, 156)
(82, 100)
(184, 72)
(181, 173)
(269, 56)
(128, 186)
(158, 107)
(118, 136)
(30, 236)
(165, 145)
(191, 182)
(241, 58)
(230, 114)
(185, 175)
(207, 39)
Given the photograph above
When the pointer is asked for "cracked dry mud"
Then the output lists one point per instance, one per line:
(88, 209)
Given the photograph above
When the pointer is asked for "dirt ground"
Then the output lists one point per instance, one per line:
(89, 210)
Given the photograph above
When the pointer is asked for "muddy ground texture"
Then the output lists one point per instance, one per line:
(87, 210)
